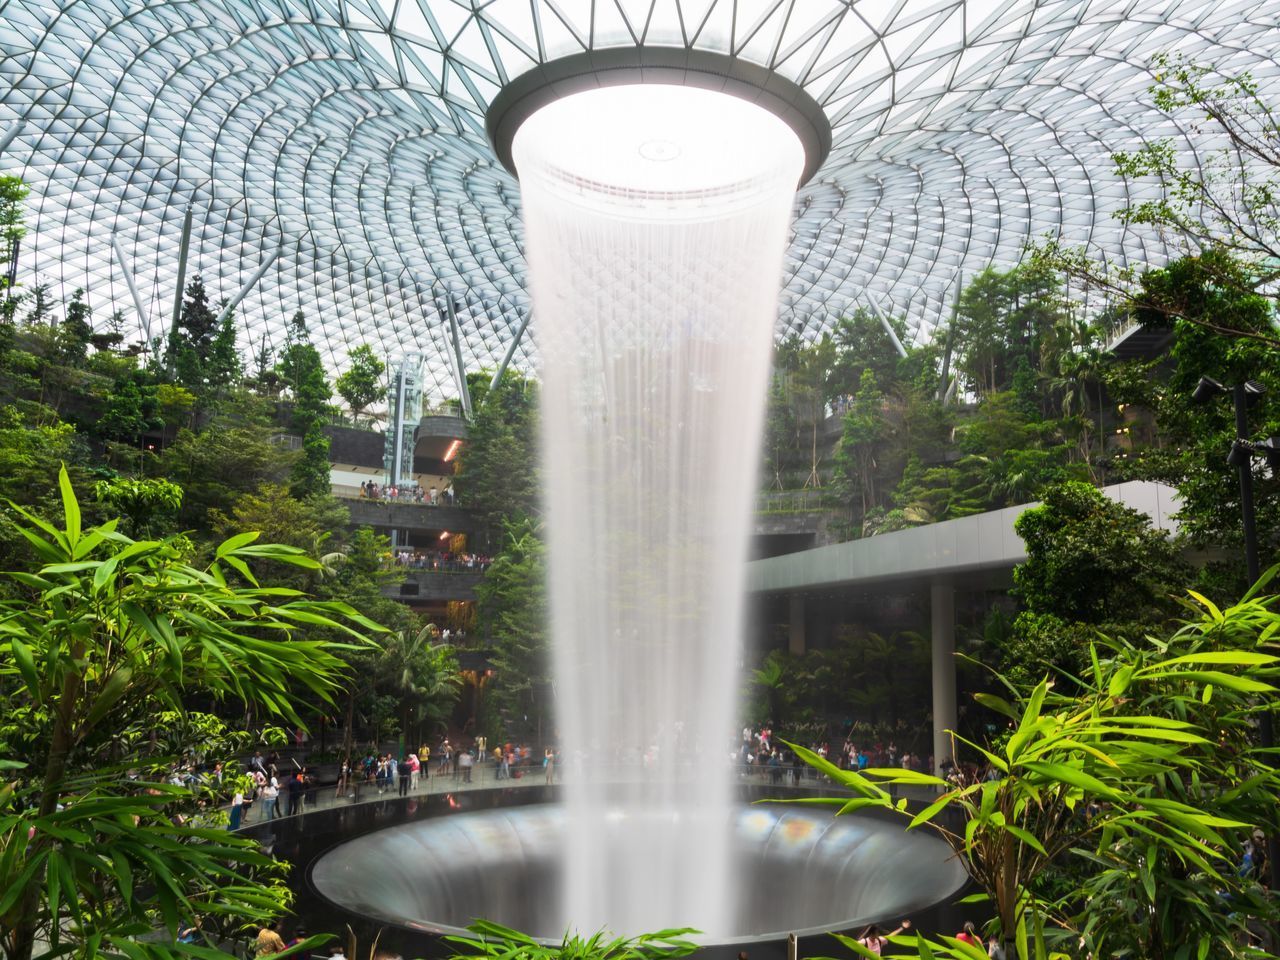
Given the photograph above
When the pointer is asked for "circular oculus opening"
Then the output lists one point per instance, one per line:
(657, 142)
(690, 70)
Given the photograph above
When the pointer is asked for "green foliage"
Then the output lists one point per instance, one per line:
(76, 330)
(423, 674)
(863, 429)
(148, 503)
(13, 193)
(201, 352)
(361, 384)
(131, 409)
(1140, 782)
(497, 469)
(302, 369)
(31, 452)
(1006, 319)
(494, 941)
(1214, 203)
(512, 611)
(108, 637)
(1092, 563)
(1092, 559)
(864, 680)
(218, 465)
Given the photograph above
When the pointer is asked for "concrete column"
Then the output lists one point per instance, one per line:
(943, 622)
(795, 634)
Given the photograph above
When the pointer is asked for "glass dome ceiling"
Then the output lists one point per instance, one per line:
(346, 140)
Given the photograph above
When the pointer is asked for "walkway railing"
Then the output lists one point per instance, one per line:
(346, 491)
(485, 776)
(795, 501)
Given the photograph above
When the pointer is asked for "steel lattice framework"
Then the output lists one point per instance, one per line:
(346, 139)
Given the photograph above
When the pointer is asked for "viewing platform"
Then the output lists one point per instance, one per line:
(430, 585)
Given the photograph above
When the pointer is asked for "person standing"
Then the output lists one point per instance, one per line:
(465, 760)
(271, 795)
(874, 941)
(296, 787)
(549, 765)
(405, 776)
(269, 941)
(237, 810)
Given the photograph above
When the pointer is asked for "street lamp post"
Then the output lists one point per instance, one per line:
(1243, 450)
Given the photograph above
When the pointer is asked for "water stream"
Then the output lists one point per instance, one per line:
(655, 224)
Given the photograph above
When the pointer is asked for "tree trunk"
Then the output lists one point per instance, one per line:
(23, 936)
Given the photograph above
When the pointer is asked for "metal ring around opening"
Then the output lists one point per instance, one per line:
(618, 66)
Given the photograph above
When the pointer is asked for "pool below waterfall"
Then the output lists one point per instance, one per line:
(798, 871)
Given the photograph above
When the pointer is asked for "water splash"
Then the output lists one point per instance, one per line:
(655, 226)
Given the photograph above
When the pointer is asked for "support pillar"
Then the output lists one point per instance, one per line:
(942, 618)
(184, 244)
(795, 630)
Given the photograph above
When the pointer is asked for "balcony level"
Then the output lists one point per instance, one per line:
(387, 514)
(435, 586)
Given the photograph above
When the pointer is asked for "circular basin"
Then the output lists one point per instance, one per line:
(799, 871)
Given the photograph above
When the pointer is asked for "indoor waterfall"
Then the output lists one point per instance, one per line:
(655, 223)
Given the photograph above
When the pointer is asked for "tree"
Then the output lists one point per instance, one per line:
(497, 470)
(302, 369)
(218, 465)
(512, 609)
(1196, 438)
(1005, 317)
(1092, 564)
(76, 330)
(1219, 206)
(191, 339)
(148, 504)
(424, 675)
(361, 384)
(13, 193)
(41, 310)
(131, 409)
(863, 428)
(109, 635)
(861, 345)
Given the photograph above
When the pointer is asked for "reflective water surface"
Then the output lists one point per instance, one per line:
(797, 870)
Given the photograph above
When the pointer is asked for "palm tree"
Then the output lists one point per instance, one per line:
(771, 678)
(424, 675)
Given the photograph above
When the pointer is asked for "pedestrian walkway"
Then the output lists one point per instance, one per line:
(484, 777)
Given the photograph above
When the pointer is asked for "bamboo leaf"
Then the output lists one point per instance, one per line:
(70, 507)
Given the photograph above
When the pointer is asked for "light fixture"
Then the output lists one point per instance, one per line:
(452, 451)
(1206, 390)
(444, 535)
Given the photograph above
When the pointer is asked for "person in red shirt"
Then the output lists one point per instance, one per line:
(969, 935)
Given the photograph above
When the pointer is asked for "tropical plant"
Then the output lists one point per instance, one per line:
(771, 678)
(424, 674)
(1137, 788)
(111, 634)
(496, 942)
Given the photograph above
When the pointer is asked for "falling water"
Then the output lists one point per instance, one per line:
(655, 225)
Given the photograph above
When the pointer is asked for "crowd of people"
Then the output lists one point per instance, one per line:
(404, 774)
(281, 793)
(409, 493)
(759, 754)
(443, 561)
